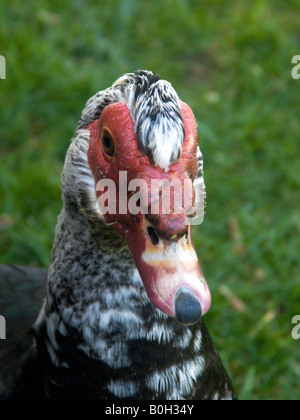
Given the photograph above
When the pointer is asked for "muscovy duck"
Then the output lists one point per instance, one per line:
(125, 295)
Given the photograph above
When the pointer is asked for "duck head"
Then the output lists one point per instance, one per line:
(144, 159)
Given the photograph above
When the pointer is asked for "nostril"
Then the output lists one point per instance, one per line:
(153, 235)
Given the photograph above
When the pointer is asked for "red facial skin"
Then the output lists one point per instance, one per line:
(117, 121)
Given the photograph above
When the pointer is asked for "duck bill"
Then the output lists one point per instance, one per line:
(171, 273)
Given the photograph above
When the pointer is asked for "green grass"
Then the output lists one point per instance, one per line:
(231, 61)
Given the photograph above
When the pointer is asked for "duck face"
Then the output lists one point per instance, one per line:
(150, 200)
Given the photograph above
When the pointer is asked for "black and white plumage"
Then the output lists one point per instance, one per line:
(98, 334)
(154, 106)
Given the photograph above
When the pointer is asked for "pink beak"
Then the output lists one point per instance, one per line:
(170, 272)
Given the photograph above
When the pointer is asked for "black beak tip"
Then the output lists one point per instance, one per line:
(188, 309)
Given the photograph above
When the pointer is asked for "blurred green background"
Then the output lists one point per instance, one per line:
(231, 61)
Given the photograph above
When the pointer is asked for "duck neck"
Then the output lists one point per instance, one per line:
(99, 331)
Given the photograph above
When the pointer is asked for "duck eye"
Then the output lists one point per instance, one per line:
(108, 144)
